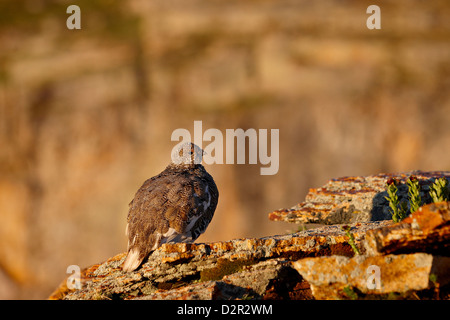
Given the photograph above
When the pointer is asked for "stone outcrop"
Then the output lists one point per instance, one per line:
(261, 266)
(405, 260)
(427, 230)
(425, 235)
(353, 199)
(339, 277)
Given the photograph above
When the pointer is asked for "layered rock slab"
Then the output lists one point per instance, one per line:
(256, 265)
(354, 199)
(339, 277)
(426, 230)
(411, 256)
(408, 256)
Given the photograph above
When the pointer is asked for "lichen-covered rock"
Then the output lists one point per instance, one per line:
(426, 230)
(251, 282)
(410, 259)
(353, 199)
(208, 290)
(339, 277)
(259, 265)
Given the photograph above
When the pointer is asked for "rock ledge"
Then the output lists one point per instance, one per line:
(405, 260)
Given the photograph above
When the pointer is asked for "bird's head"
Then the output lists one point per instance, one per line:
(188, 154)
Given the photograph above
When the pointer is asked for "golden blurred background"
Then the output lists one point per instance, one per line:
(86, 115)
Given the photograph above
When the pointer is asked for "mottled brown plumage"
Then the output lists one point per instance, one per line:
(175, 206)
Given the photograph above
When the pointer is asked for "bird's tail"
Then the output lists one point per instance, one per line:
(132, 261)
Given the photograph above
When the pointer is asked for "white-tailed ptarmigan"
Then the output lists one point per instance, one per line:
(175, 206)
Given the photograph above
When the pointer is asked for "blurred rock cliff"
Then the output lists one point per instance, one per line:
(87, 115)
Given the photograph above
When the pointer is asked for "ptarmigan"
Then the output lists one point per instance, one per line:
(175, 206)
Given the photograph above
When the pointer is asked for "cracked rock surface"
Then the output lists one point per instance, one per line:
(405, 260)
(354, 199)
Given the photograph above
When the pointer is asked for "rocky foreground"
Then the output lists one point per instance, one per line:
(406, 260)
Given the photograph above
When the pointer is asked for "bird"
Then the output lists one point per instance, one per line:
(174, 206)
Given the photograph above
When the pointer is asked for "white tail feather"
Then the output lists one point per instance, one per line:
(132, 261)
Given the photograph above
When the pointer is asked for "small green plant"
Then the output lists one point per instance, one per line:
(398, 210)
(439, 190)
(349, 292)
(351, 239)
(415, 201)
(433, 279)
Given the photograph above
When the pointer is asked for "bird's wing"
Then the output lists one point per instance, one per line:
(207, 199)
(160, 212)
(144, 221)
